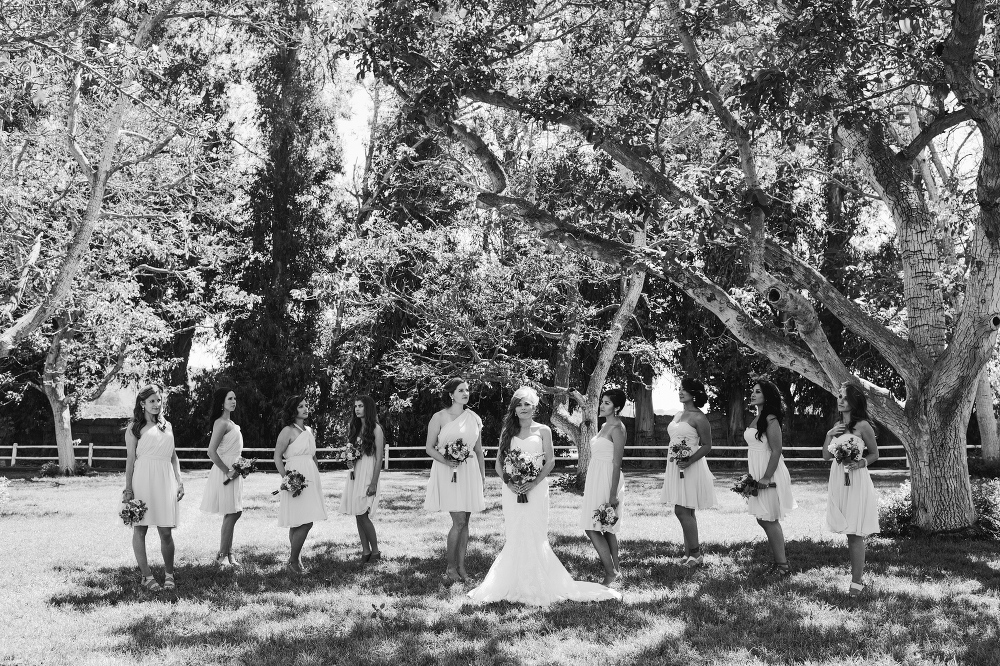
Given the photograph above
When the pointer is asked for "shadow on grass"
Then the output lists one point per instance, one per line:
(931, 601)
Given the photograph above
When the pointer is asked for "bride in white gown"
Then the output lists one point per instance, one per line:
(527, 571)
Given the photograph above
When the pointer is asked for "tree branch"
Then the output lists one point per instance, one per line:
(928, 133)
(110, 375)
(153, 152)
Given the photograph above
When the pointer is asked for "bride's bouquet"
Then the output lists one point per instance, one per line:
(847, 450)
(522, 467)
(455, 451)
(680, 451)
(242, 467)
(133, 511)
(605, 516)
(349, 455)
(294, 483)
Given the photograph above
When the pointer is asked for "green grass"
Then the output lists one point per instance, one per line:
(69, 594)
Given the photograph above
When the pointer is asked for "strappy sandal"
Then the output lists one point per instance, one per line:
(856, 589)
(374, 556)
(693, 561)
(168, 583)
(150, 584)
(781, 569)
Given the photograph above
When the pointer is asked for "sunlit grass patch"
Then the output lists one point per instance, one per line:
(69, 592)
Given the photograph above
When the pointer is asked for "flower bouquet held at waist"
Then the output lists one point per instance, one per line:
(133, 512)
(747, 486)
(294, 483)
(846, 451)
(605, 516)
(242, 467)
(521, 467)
(680, 451)
(348, 455)
(454, 451)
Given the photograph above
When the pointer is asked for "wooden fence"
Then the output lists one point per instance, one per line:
(16, 454)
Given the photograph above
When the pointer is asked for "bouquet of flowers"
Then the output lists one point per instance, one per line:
(747, 486)
(350, 454)
(847, 450)
(242, 467)
(132, 511)
(522, 467)
(457, 451)
(294, 483)
(680, 451)
(605, 516)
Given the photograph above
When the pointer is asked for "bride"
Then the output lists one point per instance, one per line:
(527, 570)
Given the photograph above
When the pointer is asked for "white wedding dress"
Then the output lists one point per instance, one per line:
(527, 571)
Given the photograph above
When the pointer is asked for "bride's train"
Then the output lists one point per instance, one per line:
(527, 570)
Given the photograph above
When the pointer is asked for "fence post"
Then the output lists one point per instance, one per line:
(385, 457)
(13, 454)
(90, 454)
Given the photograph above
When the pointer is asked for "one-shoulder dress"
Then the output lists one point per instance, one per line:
(225, 499)
(851, 509)
(770, 503)
(466, 493)
(597, 489)
(527, 570)
(308, 506)
(153, 480)
(355, 500)
(696, 490)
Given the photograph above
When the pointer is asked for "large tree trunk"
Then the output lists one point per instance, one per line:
(939, 471)
(54, 384)
(987, 418)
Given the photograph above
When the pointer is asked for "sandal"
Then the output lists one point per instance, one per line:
(856, 589)
(150, 584)
(692, 561)
(168, 582)
(221, 561)
(781, 569)
(374, 556)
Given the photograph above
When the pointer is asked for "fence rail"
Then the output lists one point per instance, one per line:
(16, 454)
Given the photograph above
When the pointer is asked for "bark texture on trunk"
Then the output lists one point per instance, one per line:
(986, 417)
(54, 383)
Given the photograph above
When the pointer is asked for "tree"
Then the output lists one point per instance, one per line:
(637, 86)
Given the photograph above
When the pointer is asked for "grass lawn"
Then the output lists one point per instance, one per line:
(69, 592)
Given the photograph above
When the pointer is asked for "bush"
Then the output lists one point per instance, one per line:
(895, 512)
(49, 469)
(82, 469)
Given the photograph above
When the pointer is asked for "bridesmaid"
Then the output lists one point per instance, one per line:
(695, 490)
(853, 509)
(463, 497)
(295, 451)
(153, 475)
(767, 466)
(360, 496)
(605, 482)
(224, 448)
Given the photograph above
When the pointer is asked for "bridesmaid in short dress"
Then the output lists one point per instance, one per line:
(153, 475)
(606, 483)
(221, 498)
(295, 451)
(361, 494)
(767, 466)
(696, 489)
(464, 496)
(853, 509)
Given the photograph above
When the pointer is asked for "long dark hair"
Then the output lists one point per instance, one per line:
(511, 423)
(858, 402)
(697, 390)
(139, 411)
(450, 387)
(218, 402)
(773, 406)
(291, 409)
(365, 429)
